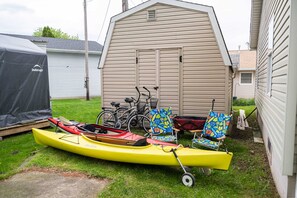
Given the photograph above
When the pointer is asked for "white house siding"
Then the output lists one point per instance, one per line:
(67, 75)
(272, 109)
(201, 74)
(244, 90)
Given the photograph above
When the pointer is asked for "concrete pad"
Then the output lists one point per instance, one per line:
(258, 136)
(51, 184)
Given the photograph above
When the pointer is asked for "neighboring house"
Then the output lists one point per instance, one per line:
(244, 81)
(175, 45)
(66, 62)
(273, 34)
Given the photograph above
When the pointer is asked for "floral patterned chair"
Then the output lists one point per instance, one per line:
(214, 131)
(162, 125)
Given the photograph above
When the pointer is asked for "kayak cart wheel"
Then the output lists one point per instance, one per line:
(188, 179)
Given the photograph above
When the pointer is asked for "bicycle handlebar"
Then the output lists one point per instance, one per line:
(138, 94)
(149, 96)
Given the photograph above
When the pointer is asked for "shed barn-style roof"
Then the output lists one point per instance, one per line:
(202, 8)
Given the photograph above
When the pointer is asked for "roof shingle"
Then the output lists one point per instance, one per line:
(63, 44)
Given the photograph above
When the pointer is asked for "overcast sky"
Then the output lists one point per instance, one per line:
(24, 17)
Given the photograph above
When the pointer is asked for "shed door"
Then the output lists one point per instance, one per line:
(161, 68)
(146, 71)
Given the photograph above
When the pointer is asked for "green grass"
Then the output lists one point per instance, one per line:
(248, 175)
(244, 102)
(14, 151)
(77, 109)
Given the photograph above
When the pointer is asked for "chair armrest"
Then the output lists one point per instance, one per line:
(221, 138)
(196, 131)
(176, 130)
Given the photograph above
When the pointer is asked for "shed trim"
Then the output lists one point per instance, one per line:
(203, 8)
(72, 51)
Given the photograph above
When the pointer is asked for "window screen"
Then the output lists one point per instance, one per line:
(246, 78)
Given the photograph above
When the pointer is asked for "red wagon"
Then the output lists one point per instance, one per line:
(189, 123)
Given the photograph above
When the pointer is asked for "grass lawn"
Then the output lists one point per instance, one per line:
(248, 176)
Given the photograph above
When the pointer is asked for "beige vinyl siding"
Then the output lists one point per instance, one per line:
(169, 79)
(272, 109)
(202, 73)
(146, 71)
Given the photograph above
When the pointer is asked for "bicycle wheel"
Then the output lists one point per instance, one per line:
(122, 115)
(139, 123)
(106, 118)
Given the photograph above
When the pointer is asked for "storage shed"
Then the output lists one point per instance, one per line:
(175, 45)
(66, 65)
(24, 87)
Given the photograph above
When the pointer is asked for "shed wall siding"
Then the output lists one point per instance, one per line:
(272, 109)
(202, 71)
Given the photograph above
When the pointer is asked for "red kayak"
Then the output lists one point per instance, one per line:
(99, 131)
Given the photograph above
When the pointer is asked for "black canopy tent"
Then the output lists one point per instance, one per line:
(24, 83)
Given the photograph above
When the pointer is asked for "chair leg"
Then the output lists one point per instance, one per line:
(193, 141)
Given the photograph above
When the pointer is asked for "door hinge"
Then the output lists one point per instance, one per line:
(136, 60)
(180, 59)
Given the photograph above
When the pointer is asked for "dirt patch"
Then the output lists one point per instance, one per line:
(43, 183)
(255, 149)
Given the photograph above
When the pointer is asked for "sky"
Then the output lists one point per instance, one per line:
(24, 17)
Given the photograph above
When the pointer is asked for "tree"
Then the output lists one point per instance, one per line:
(47, 31)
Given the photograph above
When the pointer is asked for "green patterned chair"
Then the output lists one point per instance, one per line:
(162, 125)
(214, 131)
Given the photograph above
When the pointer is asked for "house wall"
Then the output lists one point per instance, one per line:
(67, 75)
(244, 90)
(272, 109)
(247, 64)
(202, 73)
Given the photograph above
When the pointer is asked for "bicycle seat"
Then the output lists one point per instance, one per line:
(128, 100)
(115, 104)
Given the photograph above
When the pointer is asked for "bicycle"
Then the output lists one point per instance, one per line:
(141, 119)
(124, 115)
(151, 103)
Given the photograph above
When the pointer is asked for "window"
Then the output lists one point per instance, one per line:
(270, 34)
(269, 74)
(246, 78)
(151, 15)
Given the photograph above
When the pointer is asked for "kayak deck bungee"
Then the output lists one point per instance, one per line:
(149, 154)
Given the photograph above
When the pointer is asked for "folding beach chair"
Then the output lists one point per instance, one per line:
(162, 125)
(214, 131)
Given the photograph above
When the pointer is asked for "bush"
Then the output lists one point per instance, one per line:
(244, 102)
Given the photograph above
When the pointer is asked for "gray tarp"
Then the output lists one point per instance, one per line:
(24, 83)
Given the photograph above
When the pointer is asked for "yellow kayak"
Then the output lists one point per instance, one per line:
(149, 154)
